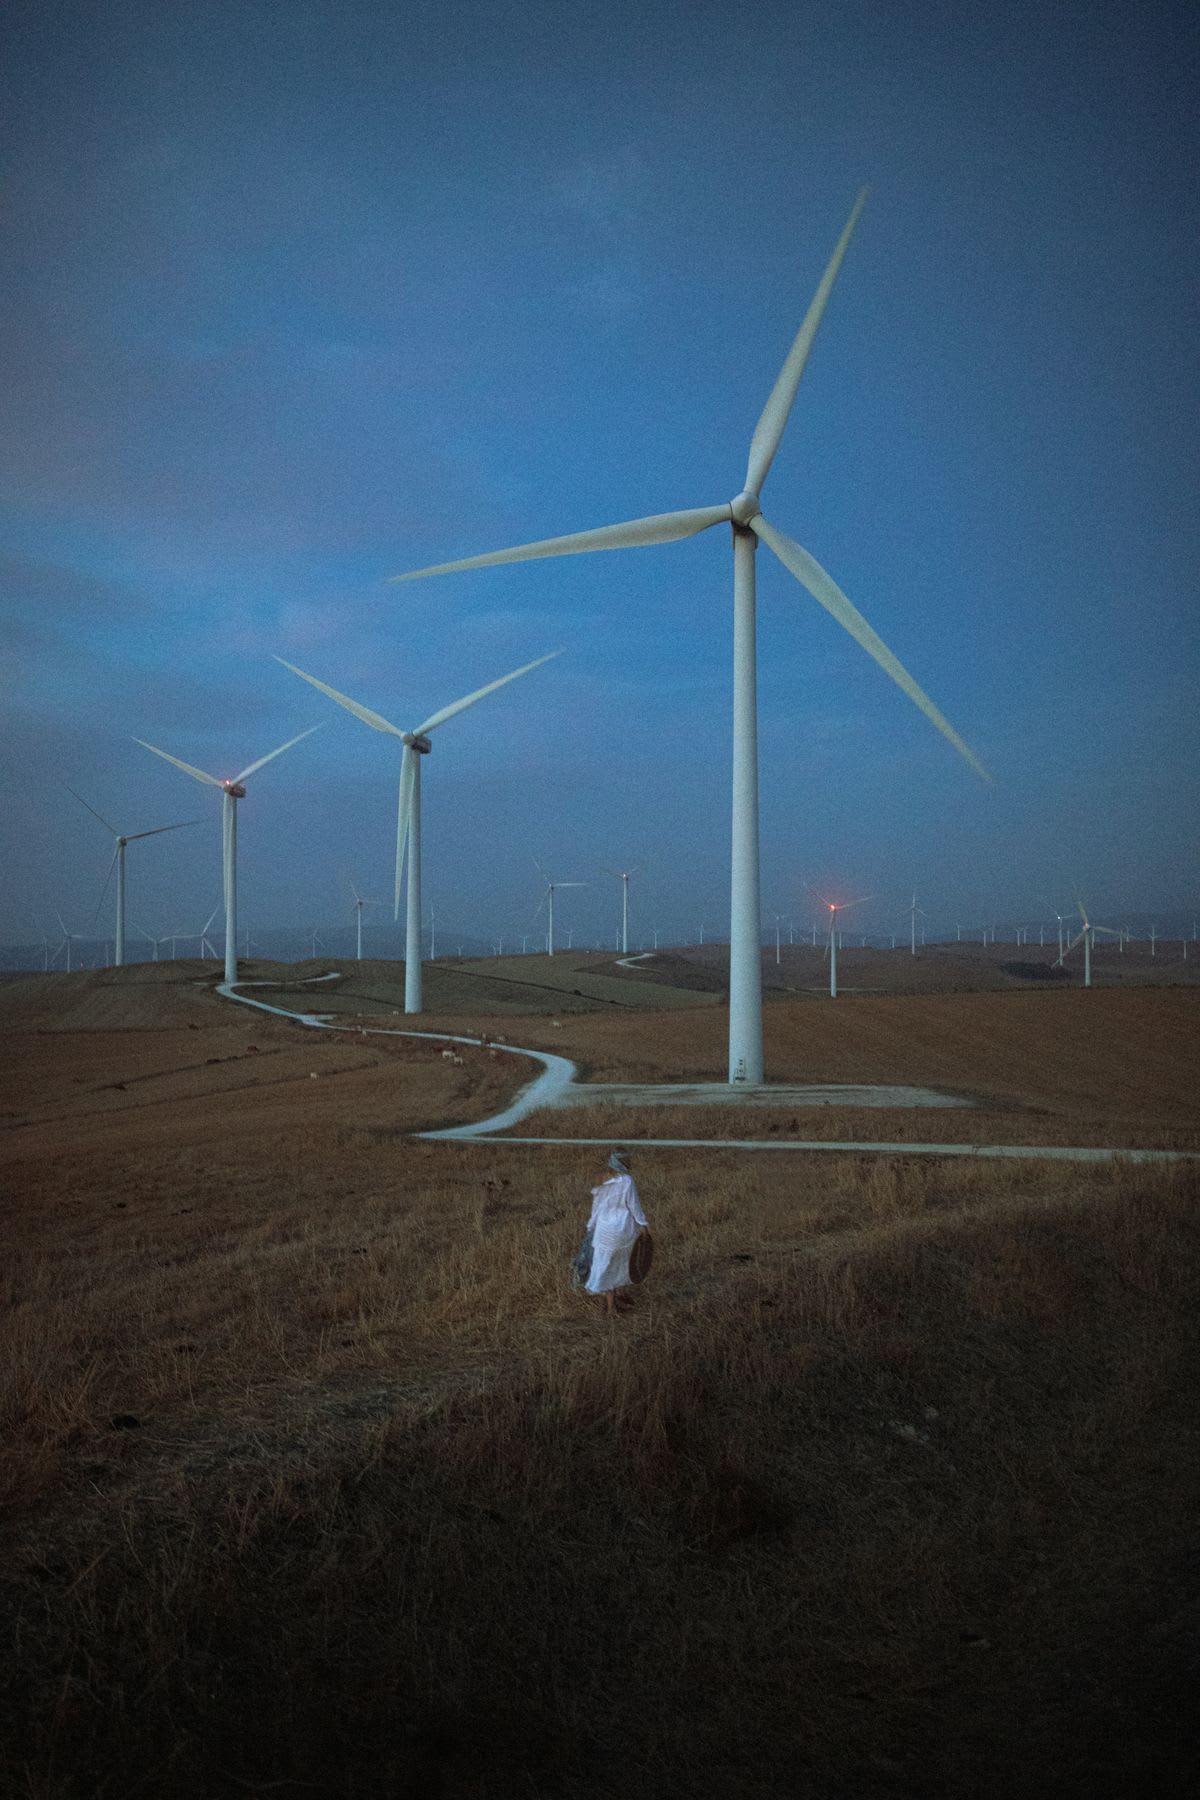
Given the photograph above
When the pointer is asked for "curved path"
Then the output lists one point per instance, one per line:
(558, 1074)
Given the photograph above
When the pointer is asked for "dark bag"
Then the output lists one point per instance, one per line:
(581, 1262)
(641, 1256)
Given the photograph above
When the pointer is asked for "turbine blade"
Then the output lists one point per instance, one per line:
(197, 774)
(133, 836)
(659, 528)
(770, 427)
(374, 719)
(272, 754)
(457, 706)
(403, 814)
(112, 865)
(212, 915)
(826, 593)
(91, 809)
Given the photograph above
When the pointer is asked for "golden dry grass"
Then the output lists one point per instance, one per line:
(320, 1479)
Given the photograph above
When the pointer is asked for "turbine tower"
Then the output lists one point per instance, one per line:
(118, 859)
(408, 817)
(749, 528)
(232, 791)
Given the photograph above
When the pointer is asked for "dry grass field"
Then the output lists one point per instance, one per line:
(318, 1479)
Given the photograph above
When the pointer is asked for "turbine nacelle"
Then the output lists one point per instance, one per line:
(234, 789)
(416, 741)
(744, 508)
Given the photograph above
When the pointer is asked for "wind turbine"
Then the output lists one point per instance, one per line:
(1085, 937)
(232, 791)
(69, 937)
(359, 903)
(750, 528)
(200, 937)
(547, 900)
(408, 817)
(118, 858)
(914, 909)
(1059, 917)
(831, 950)
(623, 876)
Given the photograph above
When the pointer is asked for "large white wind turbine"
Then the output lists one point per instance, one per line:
(408, 821)
(118, 860)
(232, 791)
(749, 529)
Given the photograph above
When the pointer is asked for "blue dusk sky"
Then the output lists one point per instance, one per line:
(298, 296)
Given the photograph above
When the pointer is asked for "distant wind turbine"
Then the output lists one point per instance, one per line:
(118, 860)
(154, 942)
(623, 877)
(913, 911)
(68, 938)
(359, 903)
(1085, 937)
(834, 907)
(408, 816)
(232, 791)
(200, 937)
(547, 900)
(750, 528)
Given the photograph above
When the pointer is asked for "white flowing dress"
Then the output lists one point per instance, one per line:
(616, 1219)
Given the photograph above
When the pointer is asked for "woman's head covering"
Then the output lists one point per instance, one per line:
(617, 1161)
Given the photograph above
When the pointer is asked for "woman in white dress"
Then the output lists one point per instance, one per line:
(617, 1221)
